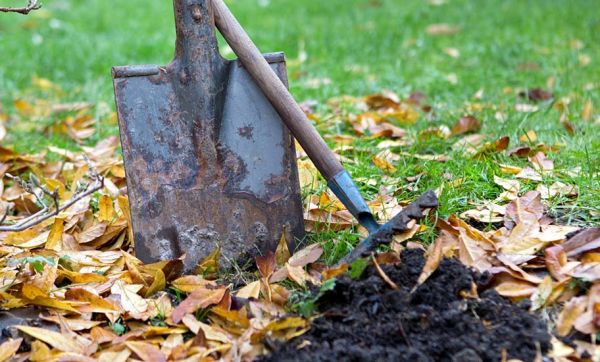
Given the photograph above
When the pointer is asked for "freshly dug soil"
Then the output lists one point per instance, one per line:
(366, 320)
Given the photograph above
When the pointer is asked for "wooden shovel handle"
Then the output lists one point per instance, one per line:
(281, 99)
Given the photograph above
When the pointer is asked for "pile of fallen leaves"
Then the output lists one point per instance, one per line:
(98, 301)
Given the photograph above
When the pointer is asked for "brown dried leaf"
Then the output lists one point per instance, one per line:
(585, 240)
(555, 258)
(465, 124)
(536, 95)
(526, 209)
(541, 163)
(308, 255)
(266, 264)
(199, 298)
(434, 257)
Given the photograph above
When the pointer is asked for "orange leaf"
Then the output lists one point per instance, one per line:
(465, 124)
(199, 298)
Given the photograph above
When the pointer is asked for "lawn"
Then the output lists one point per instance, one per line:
(525, 70)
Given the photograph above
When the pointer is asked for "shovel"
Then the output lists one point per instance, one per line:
(208, 159)
(325, 160)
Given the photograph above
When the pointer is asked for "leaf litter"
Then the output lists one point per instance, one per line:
(76, 271)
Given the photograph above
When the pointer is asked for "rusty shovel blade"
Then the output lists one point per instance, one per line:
(208, 160)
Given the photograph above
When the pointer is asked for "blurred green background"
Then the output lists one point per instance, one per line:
(334, 46)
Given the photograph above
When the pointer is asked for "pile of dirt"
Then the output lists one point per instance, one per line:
(366, 320)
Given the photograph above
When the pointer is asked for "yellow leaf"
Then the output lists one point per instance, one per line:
(189, 283)
(94, 303)
(53, 303)
(82, 278)
(44, 84)
(383, 164)
(23, 107)
(570, 312)
(251, 290)
(9, 348)
(31, 292)
(53, 184)
(282, 253)
(308, 175)
(106, 210)
(159, 283)
(131, 302)
(586, 112)
(55, 339)
(54, 241)
(530, 136)
(209, 266)
(40, 352)
(110, 356)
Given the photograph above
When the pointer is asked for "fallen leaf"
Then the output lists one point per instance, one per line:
(308, 255)
(536, 95)
(199, 298)
(529, 174)
(442, 29)
(465, 124)
(55, 339)
(106, 210)
(9, 348)
(541, 163)
(530, 136)
(452, 52)
(209, 266)
(131, 302)
(569, 314)
(434, 257)
(526, 108)
(251, 290)
(525, 209)
(282, 252)
(583, 241)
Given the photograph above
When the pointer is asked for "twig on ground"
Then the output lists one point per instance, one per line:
(35, 188)
(31, 5)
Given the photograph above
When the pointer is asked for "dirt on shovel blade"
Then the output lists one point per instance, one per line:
(366, 320)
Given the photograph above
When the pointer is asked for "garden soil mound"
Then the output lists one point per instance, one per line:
(366, 320)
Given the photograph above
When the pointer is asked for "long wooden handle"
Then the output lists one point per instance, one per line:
(281, 99)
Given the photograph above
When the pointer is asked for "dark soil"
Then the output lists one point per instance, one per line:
(366, 320)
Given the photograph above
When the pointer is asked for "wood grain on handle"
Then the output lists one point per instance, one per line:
(281, 99)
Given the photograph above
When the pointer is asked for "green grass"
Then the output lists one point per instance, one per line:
(354, 47)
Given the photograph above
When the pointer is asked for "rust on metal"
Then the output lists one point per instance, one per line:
(207, 158)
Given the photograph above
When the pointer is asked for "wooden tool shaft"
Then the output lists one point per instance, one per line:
(281, 99)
